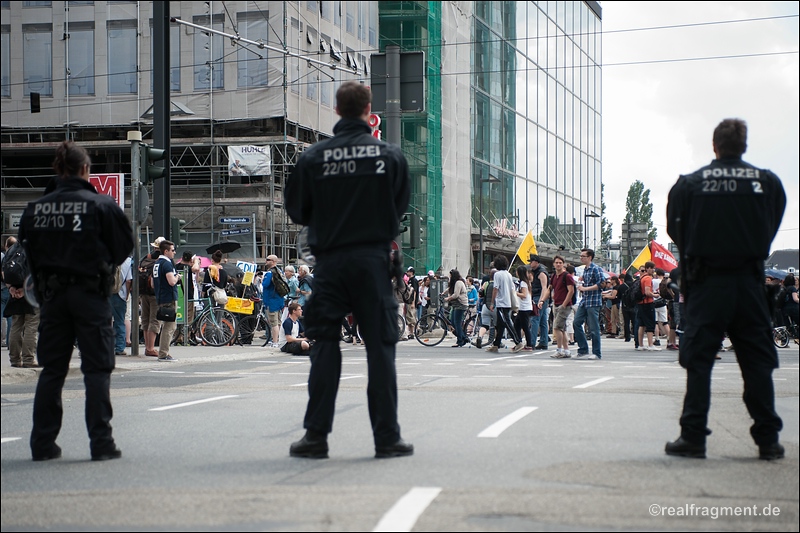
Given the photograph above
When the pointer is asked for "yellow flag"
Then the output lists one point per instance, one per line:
(643, 257)
(527, 248)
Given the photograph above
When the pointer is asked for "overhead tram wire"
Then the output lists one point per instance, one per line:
(235, 39)
(334, 66)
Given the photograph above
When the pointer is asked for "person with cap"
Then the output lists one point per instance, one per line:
(72, 258)
(272, 300)
(351, 192)
(147, 298)
(728, 197)
(411, 309)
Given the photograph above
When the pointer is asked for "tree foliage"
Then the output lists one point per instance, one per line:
(549, 230)
(606, 229)
(639, 209)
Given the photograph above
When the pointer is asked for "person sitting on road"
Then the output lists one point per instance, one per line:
(292, 338)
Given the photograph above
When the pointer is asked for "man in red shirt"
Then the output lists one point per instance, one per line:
(563, 287)
(647, 313)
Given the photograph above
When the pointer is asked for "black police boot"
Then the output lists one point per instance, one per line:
(771, 452)
(111, 453)
(400, 448)
(684, 448)
(54, 453)
(313, 445)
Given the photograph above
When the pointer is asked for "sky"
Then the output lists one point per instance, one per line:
(658, 118)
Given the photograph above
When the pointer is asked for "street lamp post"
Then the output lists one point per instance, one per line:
(490, 179)
(586, 216)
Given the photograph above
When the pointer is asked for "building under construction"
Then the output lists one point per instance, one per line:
(97, 85)
(506, 141)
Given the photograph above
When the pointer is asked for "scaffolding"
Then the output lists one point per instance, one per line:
(201, 189)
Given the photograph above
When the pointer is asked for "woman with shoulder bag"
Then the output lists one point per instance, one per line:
(523, 319)
(459, 303)
(215, 280)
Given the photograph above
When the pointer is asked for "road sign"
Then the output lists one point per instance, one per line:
(237, 231)
(234, 220)
(412, 82)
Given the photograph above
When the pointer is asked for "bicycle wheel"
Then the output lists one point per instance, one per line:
(246, 328)
(401, 327)
(469, 326)
(780, 337)
(430, 330)
(218, 327)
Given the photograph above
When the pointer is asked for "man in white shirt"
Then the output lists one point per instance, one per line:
(503, 289)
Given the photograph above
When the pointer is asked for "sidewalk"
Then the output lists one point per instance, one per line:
(183, 354)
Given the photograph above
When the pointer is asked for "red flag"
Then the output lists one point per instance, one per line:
(662, 257)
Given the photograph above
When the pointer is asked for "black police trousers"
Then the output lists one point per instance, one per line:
(735, 304)
(69, 314)
(357, 281)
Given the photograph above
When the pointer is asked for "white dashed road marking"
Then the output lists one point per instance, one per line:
(405, 512)
(186, 404)
(591, 383)
(506, 422)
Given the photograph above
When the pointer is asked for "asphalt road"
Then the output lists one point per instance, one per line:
(503, 442)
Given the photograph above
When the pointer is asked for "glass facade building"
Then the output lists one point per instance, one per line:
(526, 79)
(537, 120)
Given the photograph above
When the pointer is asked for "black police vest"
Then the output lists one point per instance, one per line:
(730, 208)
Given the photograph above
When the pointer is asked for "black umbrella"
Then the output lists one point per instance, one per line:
(225, 247)
(232, 269)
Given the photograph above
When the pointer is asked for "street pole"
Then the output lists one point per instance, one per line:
(479, 270)
(135, 137)
(161, 116)
(393, 113)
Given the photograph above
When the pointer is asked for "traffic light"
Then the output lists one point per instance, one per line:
(176, 232)
(415, 237)
(151, 172)
(404, 223)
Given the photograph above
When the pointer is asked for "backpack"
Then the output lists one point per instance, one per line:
(15, 266)
(117, 280)
(407, 294)
(146, 283)
(636, 292)
(279, 281)
(633, 296)
(664, 291)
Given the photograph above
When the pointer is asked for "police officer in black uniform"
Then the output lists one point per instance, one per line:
(74, 237)
(723, 217)
(351, 191)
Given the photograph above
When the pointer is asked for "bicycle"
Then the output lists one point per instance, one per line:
(249, 325)
(432, 328)
(348, 331)
(782, 334)
(215, 326)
